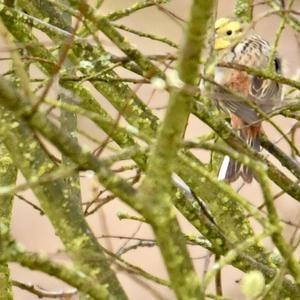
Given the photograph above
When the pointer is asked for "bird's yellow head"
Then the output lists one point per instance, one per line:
(227, 32)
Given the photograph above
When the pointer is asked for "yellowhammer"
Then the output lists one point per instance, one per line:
(253, 51)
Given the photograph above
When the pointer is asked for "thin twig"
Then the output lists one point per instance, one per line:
(43, 293)
(63, 55)
(31, 204)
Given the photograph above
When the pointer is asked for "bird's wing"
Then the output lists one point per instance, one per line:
(232, 104)
(263, 93)
(239, 84)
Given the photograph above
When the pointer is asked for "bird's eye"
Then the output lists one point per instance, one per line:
(229, 32)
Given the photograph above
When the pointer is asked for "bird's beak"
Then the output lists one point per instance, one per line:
(221, 43)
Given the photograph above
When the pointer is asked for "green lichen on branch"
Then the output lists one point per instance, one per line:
(68, 123)
(75, 235)
(64, 213)
(244, 10)
(285, 249)
(14, 252)
(8, 176)
(103, 24)
(156, 188)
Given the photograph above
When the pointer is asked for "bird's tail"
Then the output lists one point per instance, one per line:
(231, 169)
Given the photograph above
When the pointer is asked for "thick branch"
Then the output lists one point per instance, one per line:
(156, 187)
(8, 176)
(222, 129)
(33, 261)
(64, 213)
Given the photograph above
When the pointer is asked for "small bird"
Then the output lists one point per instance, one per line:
(233, 46)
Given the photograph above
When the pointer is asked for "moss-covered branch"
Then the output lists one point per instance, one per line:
(244, 9)
(135, 7)
(265, 74)
(8, 176)
(103, 24)
(156, 187)
(287, 161)
(68, 123)
(16, 253)
(285, 249)
(72, 149)
(84, 159)
(63, 211)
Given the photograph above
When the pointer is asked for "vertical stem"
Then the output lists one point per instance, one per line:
(285, 249)
(278, 35)
(156, 188)
(68, 122)
(8, 175)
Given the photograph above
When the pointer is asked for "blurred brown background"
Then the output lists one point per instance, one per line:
(35, 231)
